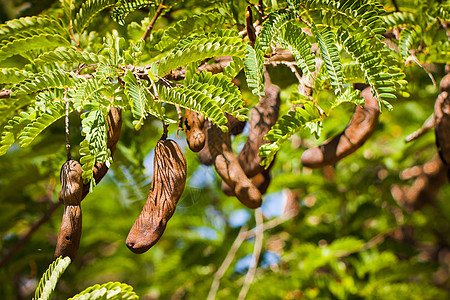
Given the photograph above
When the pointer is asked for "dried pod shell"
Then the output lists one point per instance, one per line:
(71, 183)
(70, 232)
(169, 179)
(442, 121)
(261, 181)
(234, 125)
(262, 117)
(204, 155)
(228, 168)
(193, 123)
(360, 128)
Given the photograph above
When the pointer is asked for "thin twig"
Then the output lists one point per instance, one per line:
(153, 21)
(427, 125)
(24, 239)
(394, 2)
(226, 262)
(255, 257)
(5, 94)
(69, 156)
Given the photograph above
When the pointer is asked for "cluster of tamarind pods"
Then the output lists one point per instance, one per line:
(242, 175)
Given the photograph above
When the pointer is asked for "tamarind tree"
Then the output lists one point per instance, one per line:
(230, 105)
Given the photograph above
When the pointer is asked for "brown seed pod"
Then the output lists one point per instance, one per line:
(70, 232)
(71, 194)
(262, 117)
(169, 179)
(228, 168)
(234, 125)
(71, 183)
(360, 128)
(442, 121)
(193, 123)
(261, 181)
(204, 155)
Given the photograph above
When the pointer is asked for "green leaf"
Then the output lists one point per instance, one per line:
(253, 67)
(54, 111)
(141, 101)
(94, 146)
(88, 11)
(53, 79)
(50, 278)
(13, 75)
(199, 49)
(272, 25)
(295, 40)
(110, 290)
(286, 127)
(330, 55)
(41, 41)
(123, 7)
(196, 100)
(29, 26)
(70, 55)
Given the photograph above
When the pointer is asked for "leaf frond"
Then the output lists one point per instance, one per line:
(50, 278)
(88, 11)
(110, 290)
(286, 127)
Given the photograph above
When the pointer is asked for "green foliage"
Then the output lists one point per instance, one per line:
(123, 7)
(110, 290)
(201, 48)
(88, 10)
(50, 278)
(70, 55)
(287, 126)
(93, 147)
(23, 44)
(351, 237)
(253, 66)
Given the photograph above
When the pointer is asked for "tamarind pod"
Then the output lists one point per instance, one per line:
(442, 122)
(228, 168)
(234, 125)
(262, 117)
(71, 183)
(251, 33)
(169, 179)
(204, 155)
(261, 181)
(193, 123)
(70, 232)
(363, 123)
(71, 194)
(442, 126)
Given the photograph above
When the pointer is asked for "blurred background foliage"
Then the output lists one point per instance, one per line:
(336, 233)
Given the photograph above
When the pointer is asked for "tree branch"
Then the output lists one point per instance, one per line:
(256, 253)
(242, 235)
(153, 21)
(24, 239)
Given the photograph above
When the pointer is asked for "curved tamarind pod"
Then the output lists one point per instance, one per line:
(360, 128)
(234, 125)
(71, 194)
(204, 155)
(71, 183)
(169, 179)
(228, 168)
(193, 123)
(442, 121)
(262, 117)
(261, 181)
(70, 232)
